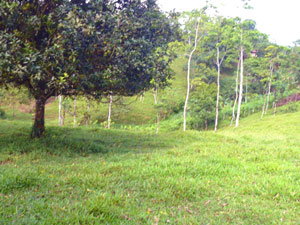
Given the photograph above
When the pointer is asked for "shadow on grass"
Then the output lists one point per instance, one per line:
(14, 139)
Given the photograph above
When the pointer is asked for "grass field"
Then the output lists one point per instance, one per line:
(249, 175)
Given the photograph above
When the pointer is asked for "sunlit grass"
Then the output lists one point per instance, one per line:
(249, 175)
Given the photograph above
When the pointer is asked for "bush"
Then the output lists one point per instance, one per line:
(289, 108)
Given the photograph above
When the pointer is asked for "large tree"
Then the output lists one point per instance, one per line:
(74, 47)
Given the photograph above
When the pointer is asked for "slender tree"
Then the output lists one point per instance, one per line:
(236, 92)
(192, 28)
(109, 110)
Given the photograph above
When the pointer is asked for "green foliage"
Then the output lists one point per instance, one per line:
(203, 104)
(83, 47)
(2, 114)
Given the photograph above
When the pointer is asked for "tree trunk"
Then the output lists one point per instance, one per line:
(218, 90)
(269, 89)
(236, 92)
(142, 97)
(241, 88)
(155, 92)
(75, 111)
(60, 110)
(206, 125)
(109, 111)
(188, 78)
(38, 128)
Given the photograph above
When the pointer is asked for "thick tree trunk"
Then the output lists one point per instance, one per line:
(38, 128)
(236, 92)
(109, 111)
(241, 88)
(188, 78)
(60, 110)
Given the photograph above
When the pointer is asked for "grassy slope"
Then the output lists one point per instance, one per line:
(248, 175)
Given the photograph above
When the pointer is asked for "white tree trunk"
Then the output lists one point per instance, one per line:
(188, 78)
(60, 110)
(269, 88)
(75, 111)
(241, 88)
(218, 88)
(236, 92)
(109, 111)
(219, 63)
(155, 92)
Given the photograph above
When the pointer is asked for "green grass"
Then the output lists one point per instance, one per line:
(249, 175)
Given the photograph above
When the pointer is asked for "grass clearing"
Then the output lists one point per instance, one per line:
(248, 175)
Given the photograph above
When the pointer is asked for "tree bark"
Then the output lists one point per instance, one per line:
(38, 128)
(241, 88)
(60, 110)
(188, 78)
(236, 92)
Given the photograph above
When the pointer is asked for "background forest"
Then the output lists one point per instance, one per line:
(268, 75)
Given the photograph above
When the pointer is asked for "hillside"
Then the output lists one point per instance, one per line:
(133, 110)
(248, 175)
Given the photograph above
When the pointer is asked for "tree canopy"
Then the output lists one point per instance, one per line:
(81, 47)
